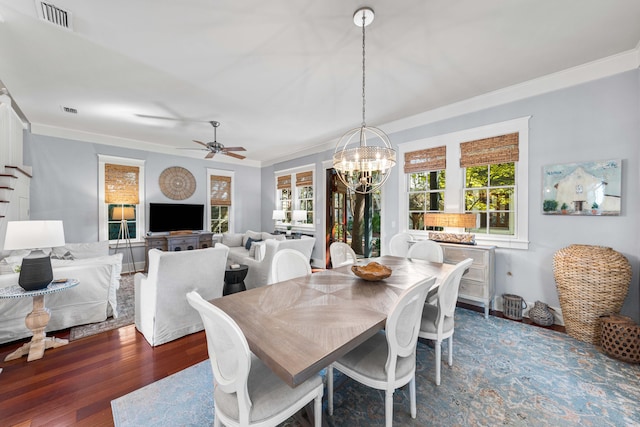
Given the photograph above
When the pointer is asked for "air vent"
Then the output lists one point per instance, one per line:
(53, 14)
(69, 110)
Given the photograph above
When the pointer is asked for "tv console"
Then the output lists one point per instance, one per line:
(177, 242)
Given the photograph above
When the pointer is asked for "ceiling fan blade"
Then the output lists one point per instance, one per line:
(201, 143)
(210, 155)
(237, 156)
(175, 119)
(235, 149)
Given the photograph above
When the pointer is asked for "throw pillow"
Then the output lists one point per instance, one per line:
(254, 235)
(67, 255)
(247, 246)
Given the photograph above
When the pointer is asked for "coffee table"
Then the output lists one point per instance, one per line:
(37, 320)
(234, 279)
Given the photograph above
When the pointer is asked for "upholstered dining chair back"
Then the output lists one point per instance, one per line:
(448, 291)
(426, 250)
(288, 264)
(341, 254)
(246, 391)
(162, 313)
(399, 244)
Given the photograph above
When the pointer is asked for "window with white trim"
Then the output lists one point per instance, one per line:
(220, 190)
(295, 190)
(121, 197)
(486, 172)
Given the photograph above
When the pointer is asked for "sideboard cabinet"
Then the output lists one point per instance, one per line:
(478, 283)
(178, 242)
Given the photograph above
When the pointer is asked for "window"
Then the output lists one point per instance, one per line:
(304, 194)
(295, 191)
(284, 196)
(426, 181)
(220, 202)
(121, 182)
(484, 171)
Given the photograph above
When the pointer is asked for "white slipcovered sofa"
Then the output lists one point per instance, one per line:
(162, 312)
(93, 300)
(259, 253)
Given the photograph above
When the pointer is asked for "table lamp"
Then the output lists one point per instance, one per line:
(457, 220)
(299, 215)
(35, 272)
(278, 215)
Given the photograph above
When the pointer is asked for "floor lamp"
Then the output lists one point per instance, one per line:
(123, 214)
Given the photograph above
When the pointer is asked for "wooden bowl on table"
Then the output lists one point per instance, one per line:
(371, 272)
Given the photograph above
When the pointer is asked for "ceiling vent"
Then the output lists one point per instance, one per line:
(69, 110)
(54, 15)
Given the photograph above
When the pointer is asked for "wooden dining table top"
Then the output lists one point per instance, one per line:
(300, 326)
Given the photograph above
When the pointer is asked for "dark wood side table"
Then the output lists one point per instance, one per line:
(234, 279)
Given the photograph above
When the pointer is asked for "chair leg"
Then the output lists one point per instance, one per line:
(317, 411)
(438, 350)
(412, 396)
(451, 350)
(388, 408)
(330, 389)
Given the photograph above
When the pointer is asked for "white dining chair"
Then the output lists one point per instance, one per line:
(387, 360)
(342, 254)
(246, 391)
(288, 264)
(426, 250)
(437, 322)
(399, 244)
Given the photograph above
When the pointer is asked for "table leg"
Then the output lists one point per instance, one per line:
(37, 321)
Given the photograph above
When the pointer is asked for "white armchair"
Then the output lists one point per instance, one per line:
(162, 311)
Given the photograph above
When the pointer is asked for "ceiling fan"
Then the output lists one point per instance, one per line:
(215, 147)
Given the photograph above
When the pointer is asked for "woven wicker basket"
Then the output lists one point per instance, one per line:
(592, 281)
(621, 338)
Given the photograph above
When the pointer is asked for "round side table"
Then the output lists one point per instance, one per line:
(234, 279)
(37, 320)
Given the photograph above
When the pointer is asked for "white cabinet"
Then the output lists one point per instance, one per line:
(478, 283)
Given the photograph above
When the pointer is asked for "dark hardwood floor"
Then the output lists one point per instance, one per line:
(74, 384)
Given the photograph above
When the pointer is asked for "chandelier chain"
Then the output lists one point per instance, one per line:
(363, 71)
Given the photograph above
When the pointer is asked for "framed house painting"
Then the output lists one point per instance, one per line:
(588, 188)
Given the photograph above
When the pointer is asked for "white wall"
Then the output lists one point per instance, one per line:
(65, 184)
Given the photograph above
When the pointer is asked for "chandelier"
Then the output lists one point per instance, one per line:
(363, 156)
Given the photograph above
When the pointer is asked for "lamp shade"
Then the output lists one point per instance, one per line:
(460, 220)
(299, 215)
(278, 215)
(120, 213)
(34, 235)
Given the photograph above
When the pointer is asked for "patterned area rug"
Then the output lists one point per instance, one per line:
(126, 313)
(504, 373)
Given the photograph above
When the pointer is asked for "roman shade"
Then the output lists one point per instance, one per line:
(489, 151)
(121, 184)
(284, 182)
(304, 179)
(220, 190)
(429, 159)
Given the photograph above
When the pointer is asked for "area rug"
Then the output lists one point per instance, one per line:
(504, 373)
(126, 313)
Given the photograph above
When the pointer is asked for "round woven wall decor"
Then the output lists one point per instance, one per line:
(177, 183)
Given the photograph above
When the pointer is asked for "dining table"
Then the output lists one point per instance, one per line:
(300, 326)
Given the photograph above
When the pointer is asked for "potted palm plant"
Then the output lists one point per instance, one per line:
(594, 208)
(564, 208)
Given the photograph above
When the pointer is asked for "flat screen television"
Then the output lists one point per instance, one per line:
(175, 217)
